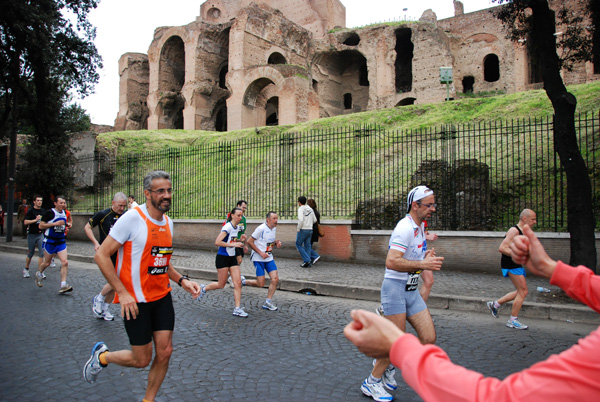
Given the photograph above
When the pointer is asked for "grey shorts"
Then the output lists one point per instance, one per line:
(396, 300)
(32, 241)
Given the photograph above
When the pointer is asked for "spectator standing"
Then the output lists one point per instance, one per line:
(21, 212)
(304, 230)
(314, 256)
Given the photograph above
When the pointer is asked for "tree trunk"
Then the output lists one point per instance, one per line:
(580, 215)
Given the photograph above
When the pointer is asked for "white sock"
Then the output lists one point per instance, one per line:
(100, 297)
(513, 318)
(105, 306)
(373, 380)
(496, 304)
(63, 283)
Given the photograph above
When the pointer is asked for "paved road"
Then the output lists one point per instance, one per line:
(296, 354)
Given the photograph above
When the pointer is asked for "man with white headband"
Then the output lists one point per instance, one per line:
(401, 301)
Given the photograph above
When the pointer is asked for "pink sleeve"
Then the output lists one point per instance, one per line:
(570, 375)
(580, 283)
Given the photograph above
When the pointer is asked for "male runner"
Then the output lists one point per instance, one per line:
(405, 261)
(514, 271)
(143, 238)
(105, 220)
(55, 223)
(35, 236)
(262, 242)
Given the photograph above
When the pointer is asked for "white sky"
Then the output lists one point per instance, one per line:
(128, 26)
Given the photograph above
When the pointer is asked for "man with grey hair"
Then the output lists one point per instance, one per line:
(514, 271)
(105, 220)
(407, 257)
(143, 237)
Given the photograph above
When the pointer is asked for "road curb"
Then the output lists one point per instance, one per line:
(571, 313)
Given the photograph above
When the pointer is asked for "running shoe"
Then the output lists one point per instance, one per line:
(388, 379)
(239, 311)
(39, 279)
(52, 264)
(106, 314)
(44, 276)
(230, 281)
(379, 310)
(97, 307)
(305, 265)
(493, 308)
(269, 306)
(202, 291)
(313, 262)
(376, 391)
(93, 366)
(516, 324)
(65, 289)
(25, 273)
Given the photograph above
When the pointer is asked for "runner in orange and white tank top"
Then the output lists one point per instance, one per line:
(143, 237)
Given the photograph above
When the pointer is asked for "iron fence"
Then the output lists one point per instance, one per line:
(483, 174)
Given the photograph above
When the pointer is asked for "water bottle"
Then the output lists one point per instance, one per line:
(543, 290)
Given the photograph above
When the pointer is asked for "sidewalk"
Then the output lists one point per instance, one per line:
(451, 290)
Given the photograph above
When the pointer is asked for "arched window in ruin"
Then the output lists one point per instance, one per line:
(276, 58)
(347, 101)
(272, 111)
(491, 68)
(340, 73)
(171, 77)
(213, 14)
(222, 75)
(406, 102)
(352, 39)
(467, 83)
(404, 57)
(220, 116)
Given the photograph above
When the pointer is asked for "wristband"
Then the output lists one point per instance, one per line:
(182, 278)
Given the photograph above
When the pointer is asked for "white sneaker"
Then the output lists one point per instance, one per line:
(376, 391)
(107, 315)
(230, 282)
(97, 307)
(25, 273)
(239, 311)
(388, 379)
(268, 305)
(53, 264)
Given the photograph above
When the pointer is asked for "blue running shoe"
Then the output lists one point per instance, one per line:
(93, 366)
(376, 391)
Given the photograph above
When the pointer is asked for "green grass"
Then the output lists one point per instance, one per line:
(521, 105)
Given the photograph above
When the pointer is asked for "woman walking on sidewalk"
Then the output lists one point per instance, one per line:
(226, 261)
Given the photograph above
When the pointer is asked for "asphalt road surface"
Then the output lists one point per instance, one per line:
(295, 354)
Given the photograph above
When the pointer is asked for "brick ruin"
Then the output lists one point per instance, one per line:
(247, 64)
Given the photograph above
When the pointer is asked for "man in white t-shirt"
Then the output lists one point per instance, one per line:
(262, 242)
(401, 301)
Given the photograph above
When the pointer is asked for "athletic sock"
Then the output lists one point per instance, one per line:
(513, 318)
(63, 284)
(100, 297)
(372, 380)
(496, 304)
(145, 400)
(102, 359)
(268, 301)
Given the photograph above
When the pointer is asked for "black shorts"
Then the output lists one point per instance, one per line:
(239, 251)
(225, 261)
(158, 315)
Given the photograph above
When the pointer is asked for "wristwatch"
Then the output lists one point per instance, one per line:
(182, 278)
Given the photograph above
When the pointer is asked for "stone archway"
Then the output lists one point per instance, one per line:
(171, 77)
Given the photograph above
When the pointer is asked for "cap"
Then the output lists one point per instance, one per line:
(416, 194)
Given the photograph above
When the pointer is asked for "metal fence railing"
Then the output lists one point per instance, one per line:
(483, 174)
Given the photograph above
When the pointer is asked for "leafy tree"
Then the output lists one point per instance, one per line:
(534, 21)
(46, 50)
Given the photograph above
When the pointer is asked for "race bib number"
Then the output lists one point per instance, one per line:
(269, 249)
(413, 281)
(161, 256)
(59, 229)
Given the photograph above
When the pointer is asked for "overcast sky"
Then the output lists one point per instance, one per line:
(124, 26)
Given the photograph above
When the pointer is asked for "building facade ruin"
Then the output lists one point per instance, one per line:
(245, 63)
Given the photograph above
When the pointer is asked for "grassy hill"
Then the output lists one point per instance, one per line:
(467, 109)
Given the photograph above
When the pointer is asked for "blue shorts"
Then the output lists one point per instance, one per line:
(262, 266)
(514, 271)
(396, 300)
(54, 248)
